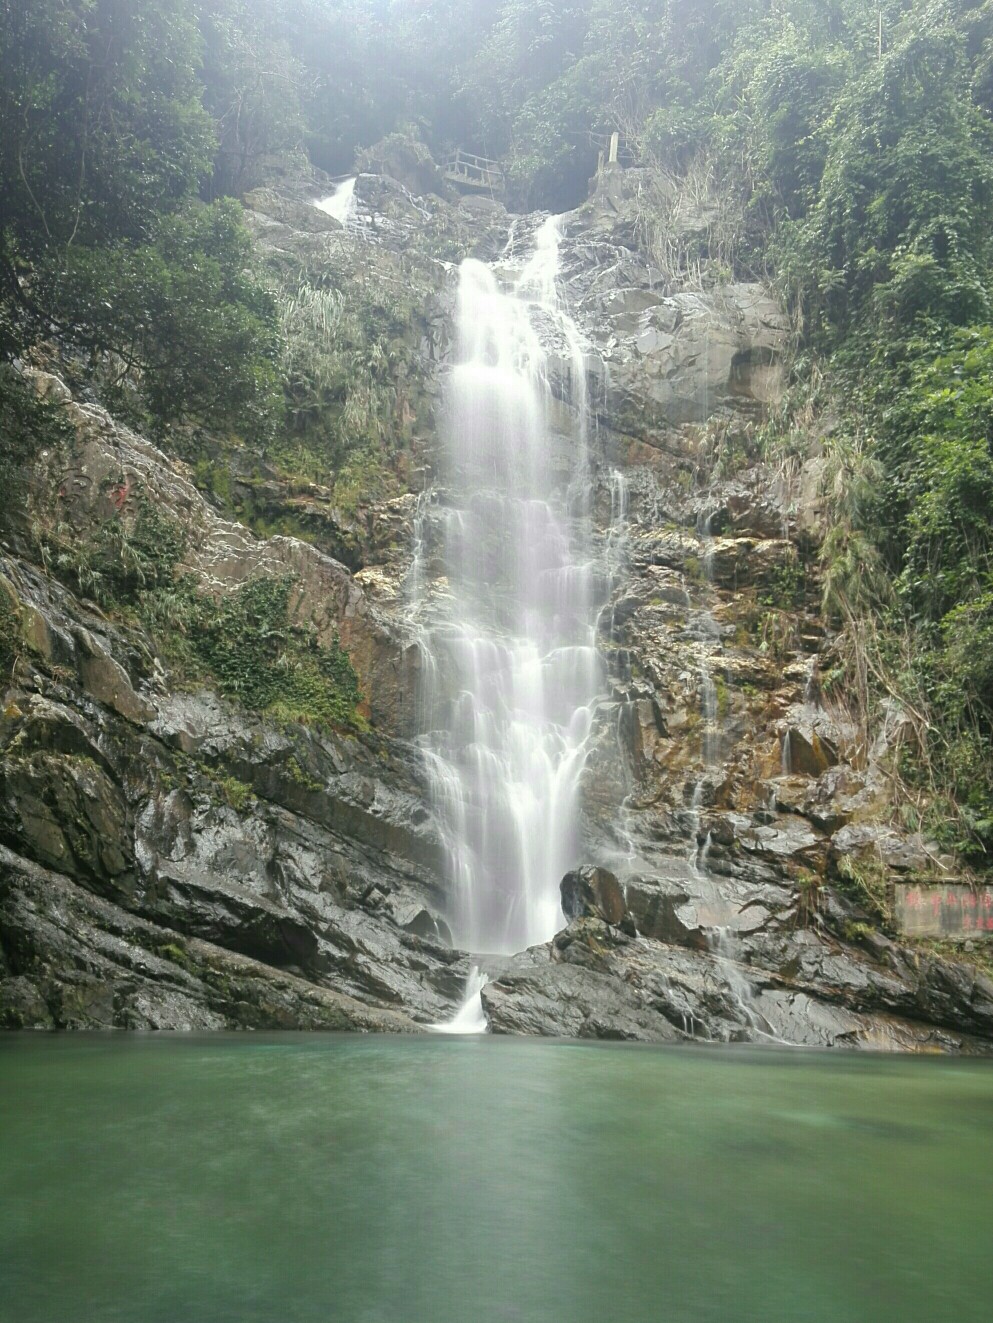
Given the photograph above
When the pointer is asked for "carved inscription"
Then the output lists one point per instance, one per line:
(948, 910)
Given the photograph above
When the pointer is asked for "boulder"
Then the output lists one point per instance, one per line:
(408, 161)
(593, 893)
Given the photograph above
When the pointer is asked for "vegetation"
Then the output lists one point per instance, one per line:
(258, 657)
(10, 628)
(103, 239)
(27, 425)
(245, 642)
(345, 363)
(840, 148)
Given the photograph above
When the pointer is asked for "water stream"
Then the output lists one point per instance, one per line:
(510, 667)
(341, 203)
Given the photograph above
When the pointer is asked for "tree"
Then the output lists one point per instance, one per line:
(103, 142)
(906, 189)
(254, 88)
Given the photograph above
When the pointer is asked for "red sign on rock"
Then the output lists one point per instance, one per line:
(922, 909)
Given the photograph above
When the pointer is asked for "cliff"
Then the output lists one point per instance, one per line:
(172, 857)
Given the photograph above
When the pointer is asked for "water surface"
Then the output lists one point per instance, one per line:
(306, 1178)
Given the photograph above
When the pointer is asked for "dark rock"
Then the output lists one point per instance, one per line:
(593, 893)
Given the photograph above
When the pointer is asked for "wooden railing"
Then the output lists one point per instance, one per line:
(473, 171)
(615, 148)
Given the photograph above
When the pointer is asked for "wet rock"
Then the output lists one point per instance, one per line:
(422, 923)
(883, 845)
(534, 996)
(222, 555)
(64, 811)
(22, 1006)
(108, 682)
(742, 562)
(593, 893)
(173, 863)
(78, 961)
(806, 752)
(655, 907)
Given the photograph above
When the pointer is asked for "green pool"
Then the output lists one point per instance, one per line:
(307, 1178)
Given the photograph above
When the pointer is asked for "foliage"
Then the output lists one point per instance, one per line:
(127, 555)
(248, 645)
(864, 879)
(237, 794)
(10, 629)
(28, 425)
(255, 88)
(899, 226)
(840, 148)
(104, 141)
(245, 642)
(103, 127)
(346, 368)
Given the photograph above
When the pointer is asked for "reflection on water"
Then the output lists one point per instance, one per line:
(307, 1178)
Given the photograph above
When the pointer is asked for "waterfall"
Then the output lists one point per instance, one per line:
(341, 203)
(709, 708)
(511, 669)
(470, 1017)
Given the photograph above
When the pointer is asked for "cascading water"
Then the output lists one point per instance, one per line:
(510, 665)
(341, 203)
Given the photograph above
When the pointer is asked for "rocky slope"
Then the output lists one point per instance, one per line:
(168, 860)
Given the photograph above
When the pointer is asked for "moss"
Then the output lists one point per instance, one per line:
(693, 569)
(259, 658)
(300, 777)
(213, 476)
(723, 692)
(236, 793)
(175, 954)
(10, 627)
(857, 932)
(865, 880)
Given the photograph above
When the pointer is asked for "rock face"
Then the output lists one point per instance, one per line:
(171, 823)
(169, 861)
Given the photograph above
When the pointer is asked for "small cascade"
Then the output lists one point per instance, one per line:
(812, 688)
(705, 529)
(470, 1017)
(709, 706)
(704, 855)
(513, 667)
(722, 948)
(616, 553)
(341, 203)
(615, 565)
(626, 814)
(693, 854)
(725, 948)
